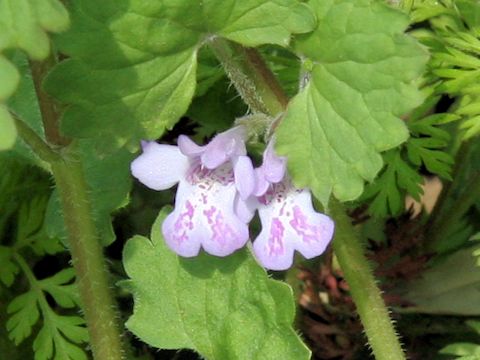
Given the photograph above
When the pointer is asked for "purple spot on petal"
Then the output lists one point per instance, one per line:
(275, 241)
(183, 224)
(301, 226)
(222, 232)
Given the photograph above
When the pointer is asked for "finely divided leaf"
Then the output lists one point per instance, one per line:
(132, 64)
(60, 335)
(24, 314)
(8, 268)
(223, 308)
(362, 77)
(389, 188)
(60, 286)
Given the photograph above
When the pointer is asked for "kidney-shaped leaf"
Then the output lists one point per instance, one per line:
(223, 308)
(362, 77)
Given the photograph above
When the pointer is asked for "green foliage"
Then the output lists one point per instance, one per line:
(389, 188)
(110, 181)
(60, 333)
(132, 64)
(400, 176)
(464, 351)
(362, 73)
(209, 113)
(223, 308)
(454, 41)
(23, 25)
(449, 286)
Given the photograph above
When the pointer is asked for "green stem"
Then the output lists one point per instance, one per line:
(84, 243)
(370, 306)
(88, 260)
(365, 292)
(255, 83)
(48, 107)
(37, 144)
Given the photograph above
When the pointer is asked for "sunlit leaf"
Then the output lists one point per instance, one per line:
(363, 70)
(223, 308)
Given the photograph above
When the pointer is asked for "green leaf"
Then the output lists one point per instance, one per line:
(25, 314)
(132, 66)
(427, 151)
(363, 70)
(462, 349)
(442, 291)
(24, 25)
(209, 112)
(8, 269)
(389, 188)
(109, 181)
(8, 131)
(60, 334)
(202, 302)
(60, 287)
(56, 337)
(9, 78)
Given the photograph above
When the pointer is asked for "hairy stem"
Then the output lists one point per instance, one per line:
(88, 260)
(255, 83)
(48, 107)
(35, 142)
(84, 245)
(365, 292)
(241, 64)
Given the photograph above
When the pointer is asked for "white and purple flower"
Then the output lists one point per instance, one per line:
(218, 193)
(288, 219)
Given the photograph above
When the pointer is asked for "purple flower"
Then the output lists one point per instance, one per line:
(209, 178)
(288, 219)
(218, 193)
(226, 146)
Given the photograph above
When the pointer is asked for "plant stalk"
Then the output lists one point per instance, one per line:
(48, 107)
(88, 261)
(35, 142)
(262, 92)
(83, 239)
(364, 290)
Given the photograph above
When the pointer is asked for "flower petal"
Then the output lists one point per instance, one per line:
(223, 147)
(244, 176)
(204, 215)
(261, 184)
(274, 166)
(178, 228)
(188, 147)
(245, 209)
(159, 166)
(290, 223)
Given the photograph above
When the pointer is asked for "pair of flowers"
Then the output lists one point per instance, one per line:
(218, 193)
